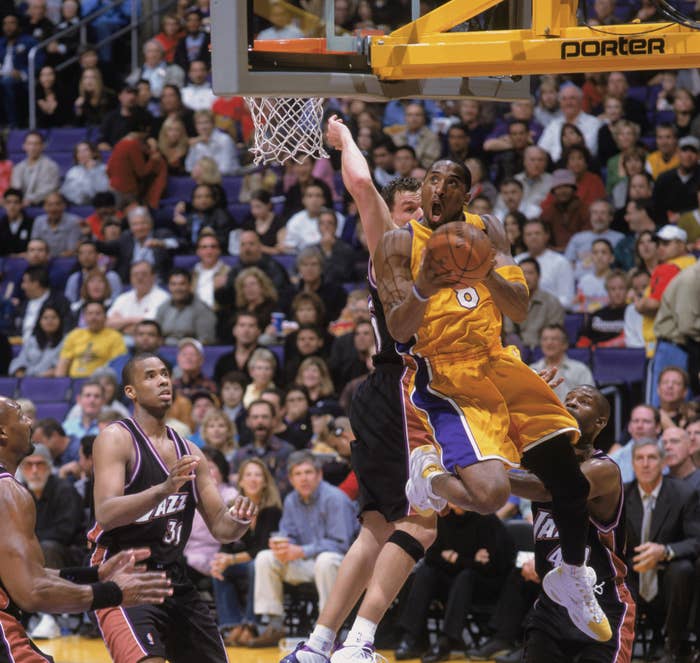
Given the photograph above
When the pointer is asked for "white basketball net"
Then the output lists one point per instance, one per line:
(286, 128)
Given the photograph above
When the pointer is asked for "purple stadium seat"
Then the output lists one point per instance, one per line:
(60, 270)
(287, 260)
(168, 353)
(13, 267)
(638, 92)
(278, 351)
(44, 390)
(52, 410)
(64, 160)
(65, 140)
(573, 322)
(231, 261)
(185, 262)
(239, 211)
(8, 387)
(349, 287)
(211, 356)
(83, 211)
(76, 384)
(232, 187)
(662, 117)
(619, 365)
(179, 188)
(15, 139)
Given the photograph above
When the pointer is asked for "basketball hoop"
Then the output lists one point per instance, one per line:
(286, 128)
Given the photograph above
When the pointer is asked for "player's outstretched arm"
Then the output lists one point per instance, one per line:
(37, 589)
(404, 301)
(111, 455)
(374, 213)
(511, 297)
(226, 524)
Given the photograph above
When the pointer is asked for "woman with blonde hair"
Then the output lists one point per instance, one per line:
(94, 99)
(95, 288)
(238, 560)
(173, 144)
(206, 171)
(313, 374)
(626, 136)
(255, 293)
(219, 432)
(261, 369)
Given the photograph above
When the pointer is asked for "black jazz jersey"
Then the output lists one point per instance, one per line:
(386, 346)
(605, 548)
(166, 527)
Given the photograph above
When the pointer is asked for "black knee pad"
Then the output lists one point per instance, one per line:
(407, 543)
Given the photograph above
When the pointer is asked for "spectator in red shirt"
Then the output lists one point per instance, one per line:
(137, 172)
(232, 116)
(564, 212)
(589, 186)
(169, 36)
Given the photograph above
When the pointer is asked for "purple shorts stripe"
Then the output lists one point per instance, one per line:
(446, 419)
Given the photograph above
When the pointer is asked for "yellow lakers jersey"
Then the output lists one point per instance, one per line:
(457, 322)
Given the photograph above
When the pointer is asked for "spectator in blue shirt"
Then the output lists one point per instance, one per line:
(64, 451)
(317, 527)
(109, 22)
(90, 400)
(14, 52)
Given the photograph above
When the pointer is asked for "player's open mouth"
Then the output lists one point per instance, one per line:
(436, 211)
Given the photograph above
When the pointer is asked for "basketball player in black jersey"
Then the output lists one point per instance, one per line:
(390, 541)
(24, 582)
(147, 483)
(550, 636)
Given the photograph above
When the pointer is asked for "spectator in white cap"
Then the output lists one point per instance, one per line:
(189, 378)
(564, 212)
(675, 190)
(673, 257)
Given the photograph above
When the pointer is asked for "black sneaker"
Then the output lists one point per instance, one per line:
(491, 648)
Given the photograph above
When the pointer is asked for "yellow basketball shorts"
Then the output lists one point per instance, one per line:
(489, 406)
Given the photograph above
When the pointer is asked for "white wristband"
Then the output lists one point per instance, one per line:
(418, 296)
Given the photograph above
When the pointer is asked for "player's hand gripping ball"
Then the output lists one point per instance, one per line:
(459, 254)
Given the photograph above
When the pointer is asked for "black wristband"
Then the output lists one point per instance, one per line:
(80, 575)
(105, 595)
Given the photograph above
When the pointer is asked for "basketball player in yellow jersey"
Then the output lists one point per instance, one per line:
(472, 407)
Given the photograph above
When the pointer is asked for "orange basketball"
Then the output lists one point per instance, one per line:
(459, 253)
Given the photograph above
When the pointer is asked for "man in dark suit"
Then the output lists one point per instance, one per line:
(675, 190)
(38, 294)
(141, 243)
(15, 225)
(663, 542)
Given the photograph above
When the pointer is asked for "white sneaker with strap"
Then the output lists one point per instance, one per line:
(424, 463)
(572, 587)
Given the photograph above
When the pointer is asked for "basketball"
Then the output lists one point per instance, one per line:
(460, 253)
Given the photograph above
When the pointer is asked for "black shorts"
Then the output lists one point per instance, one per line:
(551, 637)
(15, 645)
(380, 449)
(181, 630)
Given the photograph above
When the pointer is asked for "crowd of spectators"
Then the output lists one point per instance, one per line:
(160, 236)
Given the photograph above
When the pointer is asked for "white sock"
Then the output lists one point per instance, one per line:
(321, 640)
(362, 631)
(573, 569)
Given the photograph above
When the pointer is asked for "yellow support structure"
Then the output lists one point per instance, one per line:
(554, 45)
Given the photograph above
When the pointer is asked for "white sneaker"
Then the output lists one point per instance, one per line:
(46, 629)
(424, 462)
(572, 588)
(362, 653)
